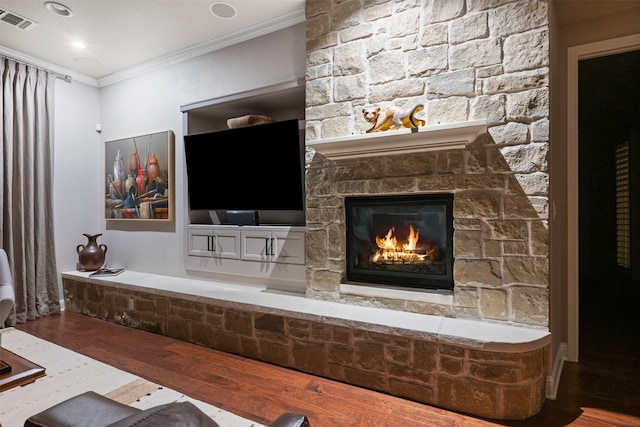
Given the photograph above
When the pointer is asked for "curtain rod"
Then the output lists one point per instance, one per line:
(67, 78)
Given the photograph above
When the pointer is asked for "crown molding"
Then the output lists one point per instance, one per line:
(284, 21)
(279, 23)
(32, 60)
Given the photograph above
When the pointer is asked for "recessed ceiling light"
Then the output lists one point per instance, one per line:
(58, 9)
(222, 10)
(79, 45)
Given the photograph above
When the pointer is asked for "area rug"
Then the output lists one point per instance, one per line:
(69, 373)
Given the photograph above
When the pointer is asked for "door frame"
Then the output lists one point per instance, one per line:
(574, 55)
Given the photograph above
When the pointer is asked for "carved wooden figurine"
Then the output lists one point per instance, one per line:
(392, 118)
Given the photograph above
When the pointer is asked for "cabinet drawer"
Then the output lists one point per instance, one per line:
(273, 246)
(214, 243)
(256, 245)
(288, 247)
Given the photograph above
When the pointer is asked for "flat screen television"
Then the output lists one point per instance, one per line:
(253, 168)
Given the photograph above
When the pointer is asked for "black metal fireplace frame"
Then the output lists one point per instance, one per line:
(437, 282)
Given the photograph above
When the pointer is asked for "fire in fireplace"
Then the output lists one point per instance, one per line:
(403, 240)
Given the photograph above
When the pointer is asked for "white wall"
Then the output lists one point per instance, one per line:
(76, 184)
(144, 104)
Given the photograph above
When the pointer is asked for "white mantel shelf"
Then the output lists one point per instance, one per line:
(403, 141)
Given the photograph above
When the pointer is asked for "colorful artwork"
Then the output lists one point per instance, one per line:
(139, 177)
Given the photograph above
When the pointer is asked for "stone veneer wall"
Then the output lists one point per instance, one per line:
(464, 60)
(492, 383)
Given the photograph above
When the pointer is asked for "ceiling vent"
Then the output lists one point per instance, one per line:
(16, 20)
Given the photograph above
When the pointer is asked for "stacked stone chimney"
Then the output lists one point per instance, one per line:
(465, 60)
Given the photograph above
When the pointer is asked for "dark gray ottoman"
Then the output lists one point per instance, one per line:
(90, 409)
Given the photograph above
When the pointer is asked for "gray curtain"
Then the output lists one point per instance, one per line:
(26, 182)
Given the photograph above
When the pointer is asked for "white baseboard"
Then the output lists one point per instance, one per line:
(553, 381)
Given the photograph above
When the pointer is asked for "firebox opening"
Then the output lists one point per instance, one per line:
(401, 240)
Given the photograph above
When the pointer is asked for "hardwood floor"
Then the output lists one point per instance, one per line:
(602, 390)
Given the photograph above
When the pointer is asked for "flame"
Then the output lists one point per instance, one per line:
(389, 250)
(413, 240)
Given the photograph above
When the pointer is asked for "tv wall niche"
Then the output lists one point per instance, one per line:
(257, 168)
(253, 168)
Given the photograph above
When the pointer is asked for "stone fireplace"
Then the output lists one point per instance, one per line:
(467, 63)
(499, 237)
(404, 240)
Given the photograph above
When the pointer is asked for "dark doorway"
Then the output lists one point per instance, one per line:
(609, 118)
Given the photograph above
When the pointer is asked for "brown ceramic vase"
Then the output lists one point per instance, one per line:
(91, 256)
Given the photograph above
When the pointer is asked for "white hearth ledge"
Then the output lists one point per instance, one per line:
(472, 333)
(450, 136)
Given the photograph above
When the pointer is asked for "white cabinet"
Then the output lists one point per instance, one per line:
(214, 242)
(271, 256)
(266, 244)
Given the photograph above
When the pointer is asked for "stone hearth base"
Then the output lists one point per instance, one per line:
(487, 370)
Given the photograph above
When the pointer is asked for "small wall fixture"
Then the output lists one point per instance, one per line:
(223, 10)
(58, 9)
